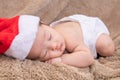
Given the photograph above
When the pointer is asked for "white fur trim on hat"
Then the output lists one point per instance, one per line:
(22, 43)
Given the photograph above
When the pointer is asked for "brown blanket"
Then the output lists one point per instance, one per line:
(49, 10)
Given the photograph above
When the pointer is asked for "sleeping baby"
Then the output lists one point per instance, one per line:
(75, 40)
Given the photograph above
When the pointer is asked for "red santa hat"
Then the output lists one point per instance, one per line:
(17, 35)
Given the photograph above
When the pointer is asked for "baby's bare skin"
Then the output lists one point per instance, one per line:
(79, 54)
(70, 37)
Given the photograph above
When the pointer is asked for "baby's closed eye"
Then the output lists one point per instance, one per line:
(48, 35)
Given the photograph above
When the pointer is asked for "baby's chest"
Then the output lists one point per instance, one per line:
(73, 37)
(72, 34)
(72, 42)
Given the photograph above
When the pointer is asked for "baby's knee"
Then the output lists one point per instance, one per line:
(105, 46)
(108, 49)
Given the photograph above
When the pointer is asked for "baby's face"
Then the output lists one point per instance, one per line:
(48, 44)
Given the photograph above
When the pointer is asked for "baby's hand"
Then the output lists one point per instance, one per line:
(54, 60)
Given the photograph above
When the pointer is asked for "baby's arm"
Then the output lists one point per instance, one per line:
(80, 58)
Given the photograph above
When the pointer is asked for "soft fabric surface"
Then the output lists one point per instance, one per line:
(49, 10)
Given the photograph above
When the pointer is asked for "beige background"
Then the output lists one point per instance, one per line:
(50, 10)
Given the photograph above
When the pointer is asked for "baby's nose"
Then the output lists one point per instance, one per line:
(55, 46)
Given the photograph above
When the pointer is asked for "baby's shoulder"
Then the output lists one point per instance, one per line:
(67, 26)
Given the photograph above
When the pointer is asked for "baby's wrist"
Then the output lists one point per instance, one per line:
(57, 60)
(60, 59)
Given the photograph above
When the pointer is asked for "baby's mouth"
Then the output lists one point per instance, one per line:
(62, 47)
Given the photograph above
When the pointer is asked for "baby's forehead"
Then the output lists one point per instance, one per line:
(43, 33)
(40, 36)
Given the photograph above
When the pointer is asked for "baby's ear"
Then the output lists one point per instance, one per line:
(41, 22)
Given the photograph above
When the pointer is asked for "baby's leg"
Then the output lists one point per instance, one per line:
(105, 45)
